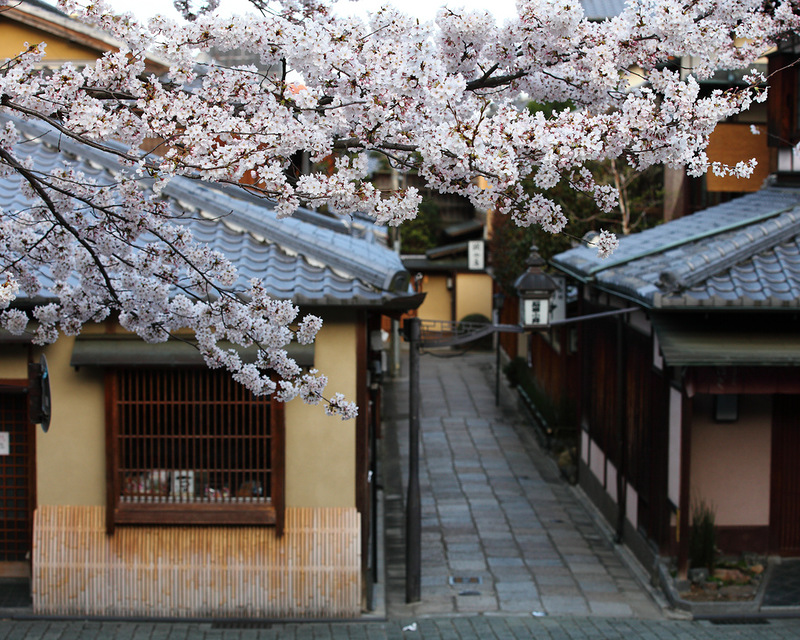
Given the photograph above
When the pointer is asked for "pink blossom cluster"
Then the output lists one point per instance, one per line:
(441, 99)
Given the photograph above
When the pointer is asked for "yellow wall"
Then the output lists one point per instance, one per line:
(473, 292)
(320, 449)
(14, 361)
(70, 457)
(730, 467)
(438, 298)
(473, 295)
(14, 36)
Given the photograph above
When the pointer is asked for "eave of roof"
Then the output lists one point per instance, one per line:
(129, 350)
(466, 228)
(447, 250)
(727, 341)
(55, 22)
(422, 263)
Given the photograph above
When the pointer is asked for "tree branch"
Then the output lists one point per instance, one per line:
(40, 191)
(488, 82)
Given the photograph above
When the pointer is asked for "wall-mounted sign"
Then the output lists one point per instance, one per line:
(475, 255)
(5, 443)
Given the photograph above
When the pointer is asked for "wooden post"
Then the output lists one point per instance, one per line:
(413, 512)
(685, 487)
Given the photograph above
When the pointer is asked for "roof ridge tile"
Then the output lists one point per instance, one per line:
(730, 251)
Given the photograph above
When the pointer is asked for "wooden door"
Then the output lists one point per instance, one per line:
(785, 485)
(15, 483)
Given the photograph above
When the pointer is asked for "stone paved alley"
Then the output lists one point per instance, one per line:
(501, 530)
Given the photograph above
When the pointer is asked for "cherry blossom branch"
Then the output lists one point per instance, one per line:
(417, 94)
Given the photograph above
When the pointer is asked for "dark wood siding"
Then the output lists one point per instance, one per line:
(641, 439)
(646, 423)
(785, 484)
(600, 358)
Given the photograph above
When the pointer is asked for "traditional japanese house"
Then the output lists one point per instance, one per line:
(68, 40)
(161, 487)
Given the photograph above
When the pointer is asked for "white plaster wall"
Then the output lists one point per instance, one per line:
(632, 505)
(674, 463)
(597, 463)
(611, 480)
(584, 447)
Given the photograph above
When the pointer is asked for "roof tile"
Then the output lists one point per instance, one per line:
(745, 253)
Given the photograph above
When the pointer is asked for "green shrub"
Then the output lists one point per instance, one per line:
(703, 537)
(516, 370)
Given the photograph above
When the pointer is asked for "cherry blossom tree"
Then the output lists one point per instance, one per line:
(440, 99)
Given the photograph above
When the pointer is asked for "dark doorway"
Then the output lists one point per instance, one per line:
(15, 473)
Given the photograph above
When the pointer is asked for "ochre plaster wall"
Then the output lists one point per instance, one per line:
(438, 298)
(730, 465)
(70, 457)
(14, 361)
(70, 464)
(13, 37)
(473, 295)
(320, 449)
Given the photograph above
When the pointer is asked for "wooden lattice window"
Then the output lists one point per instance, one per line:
(191, 446)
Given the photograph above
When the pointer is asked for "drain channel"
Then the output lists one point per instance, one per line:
(738, 621)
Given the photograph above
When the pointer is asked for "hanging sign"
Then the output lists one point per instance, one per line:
(39, 404)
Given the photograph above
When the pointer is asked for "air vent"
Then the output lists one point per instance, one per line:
(241, 624)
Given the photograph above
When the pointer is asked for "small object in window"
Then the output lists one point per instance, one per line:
(249, 489)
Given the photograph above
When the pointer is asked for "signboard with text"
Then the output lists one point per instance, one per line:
(475, 255)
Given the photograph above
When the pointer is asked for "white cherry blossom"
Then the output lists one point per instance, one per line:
(440, 99)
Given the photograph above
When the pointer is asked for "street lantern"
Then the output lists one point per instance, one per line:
(536, 290)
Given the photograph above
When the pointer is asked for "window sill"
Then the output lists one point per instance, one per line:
(201, 513)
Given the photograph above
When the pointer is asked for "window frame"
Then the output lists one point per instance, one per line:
(118, 512)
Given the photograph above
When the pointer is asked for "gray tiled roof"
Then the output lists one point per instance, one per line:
(310, 259)
(744, 253)
(601, 9)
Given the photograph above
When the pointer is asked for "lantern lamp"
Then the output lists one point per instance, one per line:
(536, 290)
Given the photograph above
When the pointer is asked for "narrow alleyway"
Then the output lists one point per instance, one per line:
(501, 530)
